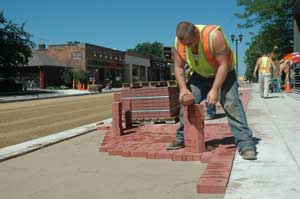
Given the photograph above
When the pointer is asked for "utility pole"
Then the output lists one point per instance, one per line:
(237, 39)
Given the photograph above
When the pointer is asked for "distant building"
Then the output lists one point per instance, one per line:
(169, 60)
(295, 4)
(42, 70)
(137, 67)
(103, 64)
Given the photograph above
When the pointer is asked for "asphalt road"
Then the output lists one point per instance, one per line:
(23, 121)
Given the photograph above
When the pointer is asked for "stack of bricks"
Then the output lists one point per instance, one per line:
(117, 116)
(194, 128)
(120, 112)
(151, 102)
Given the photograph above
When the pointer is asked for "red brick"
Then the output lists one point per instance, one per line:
(104, 127)
(164, 154)
(151, 155)
(117, 97)
(206, 157)
(117, 119)
(128, 119)
(193, 128)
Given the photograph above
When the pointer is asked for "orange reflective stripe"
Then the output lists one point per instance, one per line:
(205, 36)
(268, 66)
(181, 50)
(231, 57)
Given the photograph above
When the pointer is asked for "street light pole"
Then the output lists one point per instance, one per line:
(236, 39)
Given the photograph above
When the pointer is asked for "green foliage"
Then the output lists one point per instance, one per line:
(67, 77)
(82, 76)
(274, 20)
(15, 46)
(261, 12)
(154, 50)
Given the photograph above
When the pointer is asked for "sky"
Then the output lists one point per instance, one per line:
(121, 24)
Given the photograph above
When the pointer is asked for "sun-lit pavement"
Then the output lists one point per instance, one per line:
(276, 173)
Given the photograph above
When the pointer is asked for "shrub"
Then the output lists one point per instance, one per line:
(96, 87)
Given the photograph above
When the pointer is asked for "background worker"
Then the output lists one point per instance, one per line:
(207, 52)
(264, 65)
(284, 72)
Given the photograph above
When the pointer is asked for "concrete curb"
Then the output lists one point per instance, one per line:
(51, 97)
(33, 145)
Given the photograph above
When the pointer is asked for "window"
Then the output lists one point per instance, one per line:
(76, 55)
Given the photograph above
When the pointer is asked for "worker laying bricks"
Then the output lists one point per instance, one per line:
(263, 65)
(207, 52)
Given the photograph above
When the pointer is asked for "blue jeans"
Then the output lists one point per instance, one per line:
(231, 103)
(210, 109)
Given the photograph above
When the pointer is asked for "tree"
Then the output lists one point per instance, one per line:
(81, 75)
(275, 23)
(154, 50)
(15, 47)
(67, 77)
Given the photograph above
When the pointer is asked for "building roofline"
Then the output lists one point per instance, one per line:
(130, 53)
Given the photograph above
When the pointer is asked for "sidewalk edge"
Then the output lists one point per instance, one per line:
(36, 144)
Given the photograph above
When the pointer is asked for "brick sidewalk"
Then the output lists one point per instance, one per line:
(149, 142)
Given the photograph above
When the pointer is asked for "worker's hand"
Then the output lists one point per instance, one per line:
(254, 75)
(186, 97)
(212, 96)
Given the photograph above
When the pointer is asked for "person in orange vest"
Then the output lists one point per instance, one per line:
(263, 66)
(284, 71)
(205, 49)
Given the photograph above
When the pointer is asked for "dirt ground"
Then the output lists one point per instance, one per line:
(23, 121)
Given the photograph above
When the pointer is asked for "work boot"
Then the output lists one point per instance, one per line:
(175, 145)
(249, 154)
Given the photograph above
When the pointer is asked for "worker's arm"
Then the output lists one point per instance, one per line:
(256, 67)
(180, 77)
(221, 54)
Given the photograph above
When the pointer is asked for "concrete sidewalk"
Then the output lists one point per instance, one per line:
(276, 173)
(75, 168)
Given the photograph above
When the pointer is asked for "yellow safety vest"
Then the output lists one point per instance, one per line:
(265, 66)
(207, 64)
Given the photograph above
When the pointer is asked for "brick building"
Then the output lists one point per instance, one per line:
(102, 63)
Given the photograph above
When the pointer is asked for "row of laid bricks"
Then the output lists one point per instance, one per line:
(216, 175)
(157, 91)
(150, 144)
(153, 103)
(144, 144)
(145, 103)
(153, 115)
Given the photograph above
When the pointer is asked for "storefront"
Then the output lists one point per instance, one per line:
(43, 71)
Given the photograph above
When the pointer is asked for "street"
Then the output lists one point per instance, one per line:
(23, 121)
